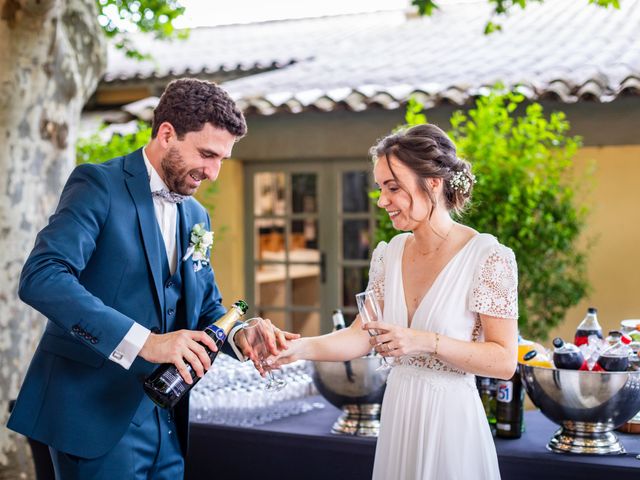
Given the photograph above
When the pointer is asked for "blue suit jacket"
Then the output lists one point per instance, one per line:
(95, 269)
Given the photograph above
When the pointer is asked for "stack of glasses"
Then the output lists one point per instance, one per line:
(233, 393)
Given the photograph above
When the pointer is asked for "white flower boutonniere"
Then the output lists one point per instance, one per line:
(200, 243)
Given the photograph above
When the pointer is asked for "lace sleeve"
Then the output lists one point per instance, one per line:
(376, 271)
(495, 288)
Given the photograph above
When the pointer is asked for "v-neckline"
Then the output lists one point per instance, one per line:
(409, 321)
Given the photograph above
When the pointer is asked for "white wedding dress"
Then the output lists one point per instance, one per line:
(433, 426)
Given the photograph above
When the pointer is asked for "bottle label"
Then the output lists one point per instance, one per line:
(505, 392)
(504, 427)
(174, 382)
(217, 332)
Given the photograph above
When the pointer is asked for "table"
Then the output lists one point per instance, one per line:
(302, 447)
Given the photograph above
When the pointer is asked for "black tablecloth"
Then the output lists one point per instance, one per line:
(302, 447)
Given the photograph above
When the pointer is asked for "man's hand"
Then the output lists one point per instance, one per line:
(180, 348)
(276, 340)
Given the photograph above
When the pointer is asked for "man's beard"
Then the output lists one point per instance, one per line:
(175, 173)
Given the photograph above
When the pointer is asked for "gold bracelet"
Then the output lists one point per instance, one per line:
(435, 350)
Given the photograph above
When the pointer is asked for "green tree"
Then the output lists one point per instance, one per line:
(118, 17)
(526, 196)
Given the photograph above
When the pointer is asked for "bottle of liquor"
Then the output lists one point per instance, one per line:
(165, 386)
(487, 390)
(589, 326)
(338, 320)
(338, 324)
(510, 407)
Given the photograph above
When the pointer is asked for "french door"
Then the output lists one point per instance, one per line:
(308, 241)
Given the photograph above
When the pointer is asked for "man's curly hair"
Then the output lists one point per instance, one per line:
(188, 104)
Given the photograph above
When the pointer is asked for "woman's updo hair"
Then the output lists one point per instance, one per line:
(429, 153)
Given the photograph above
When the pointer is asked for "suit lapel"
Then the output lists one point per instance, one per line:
(188, 275)
(138, 186)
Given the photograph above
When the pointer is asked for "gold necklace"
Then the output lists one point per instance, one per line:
(431, 252)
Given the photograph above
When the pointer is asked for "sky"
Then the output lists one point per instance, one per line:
(224, 12)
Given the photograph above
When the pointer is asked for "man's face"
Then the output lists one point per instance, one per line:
(198, 156)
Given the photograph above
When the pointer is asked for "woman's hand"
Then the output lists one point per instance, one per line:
(276, 341)
(291, 352)
(395, 341)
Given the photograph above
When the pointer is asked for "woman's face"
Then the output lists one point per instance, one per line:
(396, 201)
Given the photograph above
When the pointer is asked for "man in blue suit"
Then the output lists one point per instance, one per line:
(110, 273)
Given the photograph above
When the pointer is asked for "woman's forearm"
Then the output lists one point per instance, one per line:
(488, 359)
(339, 346)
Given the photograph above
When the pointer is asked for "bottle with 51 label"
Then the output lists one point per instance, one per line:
(510, 407)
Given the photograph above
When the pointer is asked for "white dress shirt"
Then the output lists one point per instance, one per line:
(167, 216)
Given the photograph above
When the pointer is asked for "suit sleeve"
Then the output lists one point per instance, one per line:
(50, 278)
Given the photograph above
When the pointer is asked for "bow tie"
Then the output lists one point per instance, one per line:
(167, 196)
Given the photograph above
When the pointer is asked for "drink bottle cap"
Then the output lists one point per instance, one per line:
(529, 355)
(558, 342)
(242, 305)
(592, 310)
(626, 339)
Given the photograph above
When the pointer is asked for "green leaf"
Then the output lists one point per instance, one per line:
(121, 17)
(425, 7)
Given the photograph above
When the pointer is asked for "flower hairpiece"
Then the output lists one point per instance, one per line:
(462, 182)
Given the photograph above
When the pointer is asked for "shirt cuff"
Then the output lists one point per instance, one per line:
(235, 349)
(128, 349)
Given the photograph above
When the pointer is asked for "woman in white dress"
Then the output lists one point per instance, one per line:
(449, 302)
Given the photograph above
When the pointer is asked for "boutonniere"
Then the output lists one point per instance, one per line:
(200, 243)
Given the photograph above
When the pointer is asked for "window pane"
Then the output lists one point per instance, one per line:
(278, 318)
(304, 234)
(355, 239)
(306, 323)
(354, 280)
(303, 192)
(268, 193)
(305, 284)
(271, 285)
(355, 191)
(269, 239)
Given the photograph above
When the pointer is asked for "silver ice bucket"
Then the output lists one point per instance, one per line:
(357, 388)
(588, 406)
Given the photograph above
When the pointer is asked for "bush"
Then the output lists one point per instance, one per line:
(95, 149)
(525, 196)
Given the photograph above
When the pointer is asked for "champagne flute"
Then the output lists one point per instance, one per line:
(255, 330)
(369, 309)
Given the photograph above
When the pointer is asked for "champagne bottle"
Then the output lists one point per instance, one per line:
(338, 324)
(338, 320)
(165, 386)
